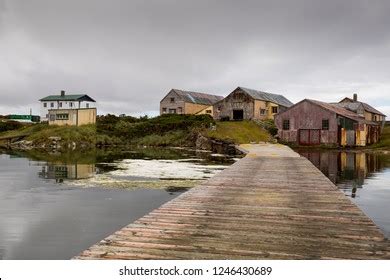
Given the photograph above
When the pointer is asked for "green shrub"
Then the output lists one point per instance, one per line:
(270, 126)
(138, 128)
(10, 125)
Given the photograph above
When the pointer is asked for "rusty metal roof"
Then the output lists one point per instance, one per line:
(353, 106)
(198, 97)
(339, 110)
(266, 96)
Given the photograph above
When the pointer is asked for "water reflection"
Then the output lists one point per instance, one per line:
(43, 220)
(346, 169)
(61, 172)
(364, 177)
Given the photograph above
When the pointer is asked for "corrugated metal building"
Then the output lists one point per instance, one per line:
(312, 122)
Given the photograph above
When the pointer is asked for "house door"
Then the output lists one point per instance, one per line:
(238, 115)
(309, 136)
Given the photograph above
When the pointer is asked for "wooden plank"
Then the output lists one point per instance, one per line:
(271, 206)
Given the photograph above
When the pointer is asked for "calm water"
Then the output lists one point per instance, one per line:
(363, 177)
(49, 211)
(54, 206)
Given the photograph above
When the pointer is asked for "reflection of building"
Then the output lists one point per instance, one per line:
(346, 169)
(59, 172)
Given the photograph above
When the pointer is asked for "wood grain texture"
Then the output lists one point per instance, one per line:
(262, 207)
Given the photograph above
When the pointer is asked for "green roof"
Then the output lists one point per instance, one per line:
(67, 97)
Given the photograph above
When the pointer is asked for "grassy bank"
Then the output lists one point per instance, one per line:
(40, 134)
(239, 132)
(384, 142)
(166, 130)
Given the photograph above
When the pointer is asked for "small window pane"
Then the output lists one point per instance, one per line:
(325, 124)
(286, 124)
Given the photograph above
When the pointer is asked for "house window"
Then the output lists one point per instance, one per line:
(262, 112)
(62, 116)
(325, 124)
(172, 100)
(51, 104)
(164, 110)
(52, 117)
(45, 105)
(208, 111)
(286, 124)
(70, 104)
(375, 119)
(274, 110)
(172, 111)
(87, 105)
(59, 104)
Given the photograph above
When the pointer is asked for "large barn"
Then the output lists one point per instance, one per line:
(248, 104)
(188, 102)
(312, 122)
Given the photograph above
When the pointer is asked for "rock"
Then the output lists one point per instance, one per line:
(203, 143)
(22, 145)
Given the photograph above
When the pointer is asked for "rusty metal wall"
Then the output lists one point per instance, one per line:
(306, 115)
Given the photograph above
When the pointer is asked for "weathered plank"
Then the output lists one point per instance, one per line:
(272, 204)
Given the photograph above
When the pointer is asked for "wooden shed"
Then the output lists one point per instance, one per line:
(188, 102)
(312, 122)
(249, 104)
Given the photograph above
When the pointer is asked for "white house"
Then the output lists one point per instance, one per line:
(63, 102)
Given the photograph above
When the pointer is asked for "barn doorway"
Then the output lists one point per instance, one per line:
(309, 137)
(351, 138)
(238, 115)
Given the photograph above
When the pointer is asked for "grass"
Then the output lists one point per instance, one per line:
(174, 138)
(167, 130)
(384, 142)
(41, 133)
(85, 134)
(23, 131)
(241, 132)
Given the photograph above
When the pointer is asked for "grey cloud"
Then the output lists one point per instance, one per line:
(128, 54)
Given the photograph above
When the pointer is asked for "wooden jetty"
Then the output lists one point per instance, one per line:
(272, 204)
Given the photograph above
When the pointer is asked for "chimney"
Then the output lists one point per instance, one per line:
(62, 92)
(355, 97)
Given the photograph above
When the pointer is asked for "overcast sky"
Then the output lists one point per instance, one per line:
(128, 54)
